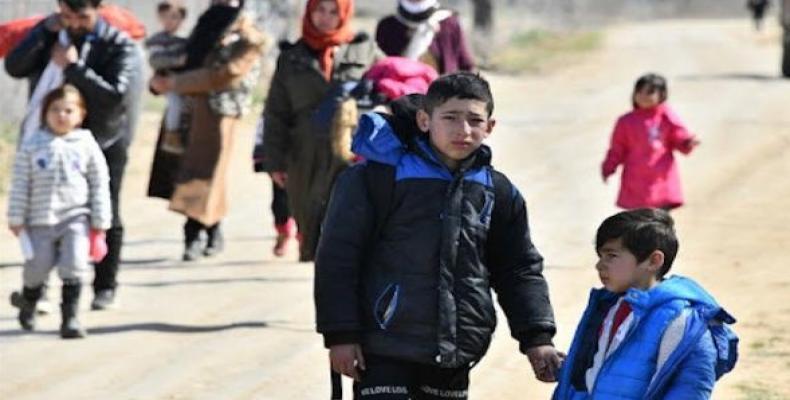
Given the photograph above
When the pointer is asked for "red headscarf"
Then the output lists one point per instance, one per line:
(323, 42)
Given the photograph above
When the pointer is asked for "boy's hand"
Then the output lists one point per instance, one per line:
(347, 359)
(546, 361)
(15, 229)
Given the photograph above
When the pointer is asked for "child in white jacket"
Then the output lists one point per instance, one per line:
(59, 200)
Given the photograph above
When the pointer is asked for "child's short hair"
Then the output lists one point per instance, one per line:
(461, 85)
(167, 5)
(642, 231)
(59, 93)
(652, 82)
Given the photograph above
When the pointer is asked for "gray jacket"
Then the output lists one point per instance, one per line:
(57, 178)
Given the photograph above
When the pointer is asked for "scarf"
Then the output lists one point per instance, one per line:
(417, 9)
(323, 43)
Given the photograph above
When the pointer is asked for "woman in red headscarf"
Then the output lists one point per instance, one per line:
(305, 97)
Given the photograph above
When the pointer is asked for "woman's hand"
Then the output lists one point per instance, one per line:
(161, 84)
(280, 178)
(15, 229)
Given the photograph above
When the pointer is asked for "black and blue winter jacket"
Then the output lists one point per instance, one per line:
(417, 287)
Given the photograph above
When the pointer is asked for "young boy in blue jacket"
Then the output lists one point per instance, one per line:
(413, 241)
(644, 336)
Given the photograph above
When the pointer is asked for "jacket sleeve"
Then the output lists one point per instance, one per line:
(680, 137)
(465, 60)
(346, 230)
(110, 85)
(32, 54)
(278, 119)
(696, 373)
(19, 195)
(516, 269)
(99, 187)
(618, 148)
(209, 79)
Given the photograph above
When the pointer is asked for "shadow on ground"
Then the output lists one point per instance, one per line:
(149, 327)
(187, 282)
(733, 76)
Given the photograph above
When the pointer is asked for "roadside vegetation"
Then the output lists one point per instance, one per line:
(542, 50)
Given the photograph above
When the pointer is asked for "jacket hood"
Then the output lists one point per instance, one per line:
(678, 288)
(376, 140)
(385, 138)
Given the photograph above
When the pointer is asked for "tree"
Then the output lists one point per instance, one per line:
(483, 15)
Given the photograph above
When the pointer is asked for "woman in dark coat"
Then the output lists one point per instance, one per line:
(298, 149)
(223, 54)
(422, 30)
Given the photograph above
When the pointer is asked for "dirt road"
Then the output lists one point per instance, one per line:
(241, 326)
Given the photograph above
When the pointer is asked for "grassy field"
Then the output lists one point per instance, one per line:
(541, 50)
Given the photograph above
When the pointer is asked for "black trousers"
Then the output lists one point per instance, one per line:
(106, 271)
(280, 207)
(193, 227)
(391, 379)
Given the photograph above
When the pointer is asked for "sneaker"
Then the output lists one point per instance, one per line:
(104, 300)
(193, 251)
(215, 243)
(284, 233)
(280, 244)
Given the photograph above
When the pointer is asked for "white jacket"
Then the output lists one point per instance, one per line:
(57, 178)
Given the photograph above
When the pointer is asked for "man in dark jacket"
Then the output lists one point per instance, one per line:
(408, 255)
(106, 66)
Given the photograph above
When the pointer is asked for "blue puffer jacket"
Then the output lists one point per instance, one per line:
(706, 350)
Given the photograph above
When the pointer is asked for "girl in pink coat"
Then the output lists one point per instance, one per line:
(644, 141)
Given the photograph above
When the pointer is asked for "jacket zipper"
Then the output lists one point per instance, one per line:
(608, 362)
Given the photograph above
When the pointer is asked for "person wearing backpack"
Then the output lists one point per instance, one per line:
(415, 238)
(646, 336)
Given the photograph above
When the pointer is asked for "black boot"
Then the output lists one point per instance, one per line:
(216, 241)
(70, 327)
(193, 247)
(27, 309)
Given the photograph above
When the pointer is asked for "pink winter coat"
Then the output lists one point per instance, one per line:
(643, 142)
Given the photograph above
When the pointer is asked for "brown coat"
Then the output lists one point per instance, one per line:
(200, 184)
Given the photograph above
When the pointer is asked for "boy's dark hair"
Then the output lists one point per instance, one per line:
(461, 85)
(78, 5)
(642, 231)
(59, 93)
(651, 82)
(167, 5)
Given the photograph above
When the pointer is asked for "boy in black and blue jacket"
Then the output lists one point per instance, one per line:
(414, 239)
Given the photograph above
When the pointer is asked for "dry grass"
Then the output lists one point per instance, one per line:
(540, 50)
